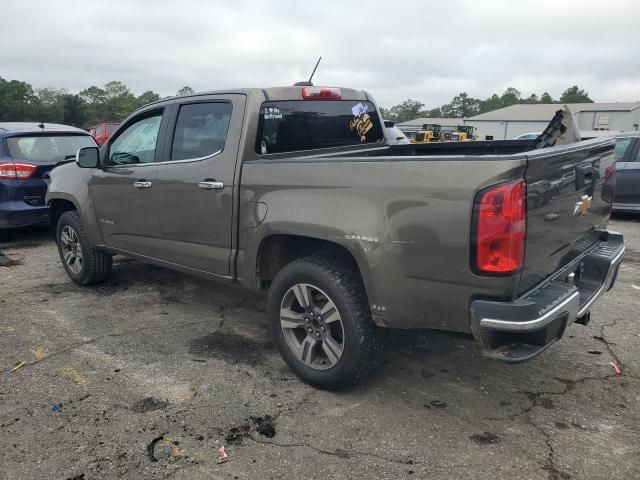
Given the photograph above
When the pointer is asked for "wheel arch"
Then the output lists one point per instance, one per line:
(276, 250)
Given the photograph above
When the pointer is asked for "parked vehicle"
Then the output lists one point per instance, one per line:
(103, 131)
(394, 135)
(294, 190)
(627, 186)
(528, 136)
(28, 152)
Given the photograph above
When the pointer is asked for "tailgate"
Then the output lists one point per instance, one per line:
(568, 200)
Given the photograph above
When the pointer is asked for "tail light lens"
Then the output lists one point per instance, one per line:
(321, 93)
(16, 171)
(500, 233)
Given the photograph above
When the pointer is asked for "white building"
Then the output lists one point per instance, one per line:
(509, 122)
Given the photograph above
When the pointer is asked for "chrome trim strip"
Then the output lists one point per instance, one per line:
(169, 162)
(536, 323)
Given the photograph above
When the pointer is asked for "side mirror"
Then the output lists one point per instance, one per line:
(88, 157)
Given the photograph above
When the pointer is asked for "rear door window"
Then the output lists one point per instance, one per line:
(201, 130)
(295, 125)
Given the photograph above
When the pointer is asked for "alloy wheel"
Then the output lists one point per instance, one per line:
(312, 326)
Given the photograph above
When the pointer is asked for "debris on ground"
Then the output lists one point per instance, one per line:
(615, 367)
(152, 446)
(19, 365)
(264, 425)
(485, 438)
(10, 259)
(222, 456)
(56, 407)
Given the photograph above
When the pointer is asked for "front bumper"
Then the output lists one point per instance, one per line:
(519, 330)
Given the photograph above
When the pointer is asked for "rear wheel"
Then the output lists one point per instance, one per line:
(321, 322)
(84, 264)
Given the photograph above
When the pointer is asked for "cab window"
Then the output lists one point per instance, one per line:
(137, 142)
(294, 125)
(201, 130)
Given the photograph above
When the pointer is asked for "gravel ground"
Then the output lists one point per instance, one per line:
(147, 375)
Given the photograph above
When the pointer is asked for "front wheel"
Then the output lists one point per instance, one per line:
(321, 322)
(84, 264)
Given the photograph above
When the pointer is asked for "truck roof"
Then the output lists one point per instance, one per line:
(270, 94)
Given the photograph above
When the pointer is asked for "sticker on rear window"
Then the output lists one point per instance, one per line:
(272, 113)
(359, 109)
(361, 123)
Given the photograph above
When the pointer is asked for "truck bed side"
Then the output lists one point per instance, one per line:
(405, 220)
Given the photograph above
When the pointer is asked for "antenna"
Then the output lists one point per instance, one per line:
(308, 83)
(314, 69)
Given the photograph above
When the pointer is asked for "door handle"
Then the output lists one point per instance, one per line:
(211, 185)
(142, 184)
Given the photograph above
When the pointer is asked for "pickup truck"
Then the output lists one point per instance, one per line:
(294, 191)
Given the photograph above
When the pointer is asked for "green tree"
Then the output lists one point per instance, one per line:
(492, 103)
(94, 99)
(73, 108)
(407, 110)
(574, 95)
(533, 98)
(18, 102)
(511, 96)
(386, 114)
(186, 90)
(147, 97)
(546, 98)
(50, 106)
(462, 106)
(120, 102)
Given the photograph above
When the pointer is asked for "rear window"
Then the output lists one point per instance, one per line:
(47, 148)
(293, 125)
(112, 127)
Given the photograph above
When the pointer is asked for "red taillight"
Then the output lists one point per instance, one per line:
(321, 93)
(16, 171)
(501, 217)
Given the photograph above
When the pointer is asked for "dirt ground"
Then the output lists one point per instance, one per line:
(146, 376)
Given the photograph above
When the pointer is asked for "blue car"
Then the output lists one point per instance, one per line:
(28, 151)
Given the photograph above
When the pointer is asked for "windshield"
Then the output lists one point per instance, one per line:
(47, 148)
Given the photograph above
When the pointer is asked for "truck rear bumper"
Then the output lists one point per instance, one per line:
(519, 330)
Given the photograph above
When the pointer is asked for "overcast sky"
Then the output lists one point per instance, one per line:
(394, 49)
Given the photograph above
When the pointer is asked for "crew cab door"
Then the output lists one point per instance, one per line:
(123, 189)
(195, 184)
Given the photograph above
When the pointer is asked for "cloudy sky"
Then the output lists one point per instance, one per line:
(426, 50)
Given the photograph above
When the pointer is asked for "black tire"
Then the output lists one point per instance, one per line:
(363, 342)
(96, 264)
(5, 235)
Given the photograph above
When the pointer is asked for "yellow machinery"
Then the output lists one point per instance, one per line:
(431, 132)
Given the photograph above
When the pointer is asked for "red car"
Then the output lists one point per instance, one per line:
(103, 131)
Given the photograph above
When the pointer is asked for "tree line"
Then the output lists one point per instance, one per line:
(462, 105)
(20, 102)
